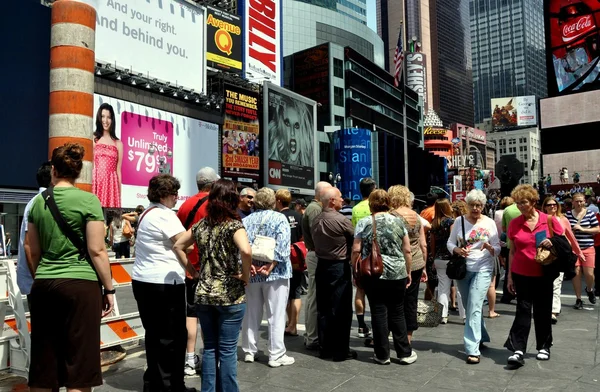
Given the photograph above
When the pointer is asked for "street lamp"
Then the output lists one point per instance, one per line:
(164, 167)
(441, 189)
(337, 178)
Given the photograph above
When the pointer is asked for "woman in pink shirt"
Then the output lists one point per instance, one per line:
(552, 208)
(526, 278)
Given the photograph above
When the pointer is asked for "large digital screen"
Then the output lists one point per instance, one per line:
(352, 149)
(514, 112)
(162, 39)
(573, 44)
(148, 141)
(262, 40)
(290, 128)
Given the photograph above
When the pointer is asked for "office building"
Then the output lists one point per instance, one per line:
(507, 44)
(524, 144)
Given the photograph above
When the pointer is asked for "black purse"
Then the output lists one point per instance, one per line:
(457, 266)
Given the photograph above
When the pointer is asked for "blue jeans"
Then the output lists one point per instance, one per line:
(473, 289)
(221, 328)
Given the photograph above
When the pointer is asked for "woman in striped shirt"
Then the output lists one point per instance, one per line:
(585, 225)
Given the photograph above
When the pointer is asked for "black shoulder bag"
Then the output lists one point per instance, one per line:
(67, 230)
(457, 266)
(192, 214)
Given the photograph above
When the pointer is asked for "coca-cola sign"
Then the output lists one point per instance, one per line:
(572, 45)
(577, 28)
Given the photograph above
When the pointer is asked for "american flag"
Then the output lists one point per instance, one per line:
(398, 60)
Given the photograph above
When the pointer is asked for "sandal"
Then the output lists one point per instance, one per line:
(473, 359)
(494, 316)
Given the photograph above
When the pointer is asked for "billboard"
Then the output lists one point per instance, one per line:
(514, 112)
(163, 39)
(352, 149)
(223, 40)
(416, 75)
(262, 40)
(180, 145)
(311, 78)
(290, 128)
(573, 44)
(241, 139)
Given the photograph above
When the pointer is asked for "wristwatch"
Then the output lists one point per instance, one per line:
(113, 291)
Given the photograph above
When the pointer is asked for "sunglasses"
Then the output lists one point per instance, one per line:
(550, 205)
(248, 197)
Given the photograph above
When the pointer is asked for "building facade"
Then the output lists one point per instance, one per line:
(507, 44)
(524, 144)
(306, 25)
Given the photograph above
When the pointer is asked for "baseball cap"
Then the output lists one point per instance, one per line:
(206, 175)
(301, 202)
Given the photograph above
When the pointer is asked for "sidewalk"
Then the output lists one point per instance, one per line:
(441, 364)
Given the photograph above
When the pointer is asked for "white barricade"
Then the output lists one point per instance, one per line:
(15, 343)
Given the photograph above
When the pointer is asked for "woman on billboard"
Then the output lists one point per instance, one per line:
(108, 158)
(291, 132)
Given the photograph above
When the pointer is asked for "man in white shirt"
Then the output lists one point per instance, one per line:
(24, 275)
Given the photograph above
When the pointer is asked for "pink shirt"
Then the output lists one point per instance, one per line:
(523, 239)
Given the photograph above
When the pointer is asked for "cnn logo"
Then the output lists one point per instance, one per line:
(275, 173)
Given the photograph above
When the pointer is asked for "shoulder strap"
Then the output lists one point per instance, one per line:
(67, 230)
(550, 227)
(374, 228)
(192, 214)
(585, 211)
(462, 224)
(144, 214)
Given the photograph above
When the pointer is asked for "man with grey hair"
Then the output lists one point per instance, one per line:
(311, 336)
(190, 213)
(246, 205)
(333, 235)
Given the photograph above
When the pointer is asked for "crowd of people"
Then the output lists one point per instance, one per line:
(226, 256)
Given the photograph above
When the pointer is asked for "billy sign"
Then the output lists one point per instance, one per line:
(262, 40)
(416, 77)
(457, 161)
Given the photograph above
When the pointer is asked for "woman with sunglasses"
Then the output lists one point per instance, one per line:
(552, 208)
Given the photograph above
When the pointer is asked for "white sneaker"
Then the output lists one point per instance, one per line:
(381, 361)
(190, 370)
(284, 360)
(249, 358)
(409, 360)
(444, 320)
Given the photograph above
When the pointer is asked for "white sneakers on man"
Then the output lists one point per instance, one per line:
(284, 360)
(248, 358)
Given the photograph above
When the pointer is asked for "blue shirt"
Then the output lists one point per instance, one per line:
(275, 225)
(24, 278)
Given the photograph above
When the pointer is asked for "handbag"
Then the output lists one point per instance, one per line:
(545, 256)
(457, 266)
(127, 229)
(429, 313)
(372, 265)
(298, 256)
(263, 247)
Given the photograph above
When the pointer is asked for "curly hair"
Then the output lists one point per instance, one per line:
(459, 207)
(68, 160)
(399, 196)
(527, 192)
(161, 186)
(265, 199)
(506, 201)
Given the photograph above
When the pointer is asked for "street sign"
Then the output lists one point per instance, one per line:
(459, 195)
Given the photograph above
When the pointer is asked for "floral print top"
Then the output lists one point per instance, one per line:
(219, 262)
(441, 234)
(390, 232)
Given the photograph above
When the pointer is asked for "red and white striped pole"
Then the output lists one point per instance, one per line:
(72, 63)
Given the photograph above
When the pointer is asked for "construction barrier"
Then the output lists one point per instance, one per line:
(116, 329)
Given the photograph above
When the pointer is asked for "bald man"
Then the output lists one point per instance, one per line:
(311, 336)
(333, 235)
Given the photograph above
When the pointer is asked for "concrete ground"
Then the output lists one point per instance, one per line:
(574, 365)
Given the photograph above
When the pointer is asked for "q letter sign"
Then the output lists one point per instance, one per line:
(262, 41)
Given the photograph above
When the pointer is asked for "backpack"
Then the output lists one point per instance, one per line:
(298, 256)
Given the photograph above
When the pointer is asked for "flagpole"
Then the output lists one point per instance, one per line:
(404, 127)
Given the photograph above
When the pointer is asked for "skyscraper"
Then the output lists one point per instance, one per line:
(355, 9)
(441, 30)
(507, 40)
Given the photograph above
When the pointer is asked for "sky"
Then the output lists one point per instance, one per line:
(372, 15)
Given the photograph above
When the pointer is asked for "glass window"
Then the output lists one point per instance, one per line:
(338, 96)
(338, 68)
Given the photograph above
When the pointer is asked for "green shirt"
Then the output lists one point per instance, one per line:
(510, 213)
(60, 258)
(360, 211)
(311, 212)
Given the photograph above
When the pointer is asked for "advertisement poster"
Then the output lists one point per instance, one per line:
(352, 149)
(514, 112)
(573, 43)
(241, 137)
(263, 52)
(311, 78)
(153, 141)
(223, 40)
(416, 75)
(162, 39)
(290, 128)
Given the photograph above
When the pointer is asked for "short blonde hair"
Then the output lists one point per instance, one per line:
(265, 199)
(506, 201)
(527, 192)
(399, 196)
(284, 196)
(459, 207)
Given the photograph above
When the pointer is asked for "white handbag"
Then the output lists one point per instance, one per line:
(263, 247)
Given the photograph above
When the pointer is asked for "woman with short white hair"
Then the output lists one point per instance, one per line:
(270, 282)
(479, 245)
